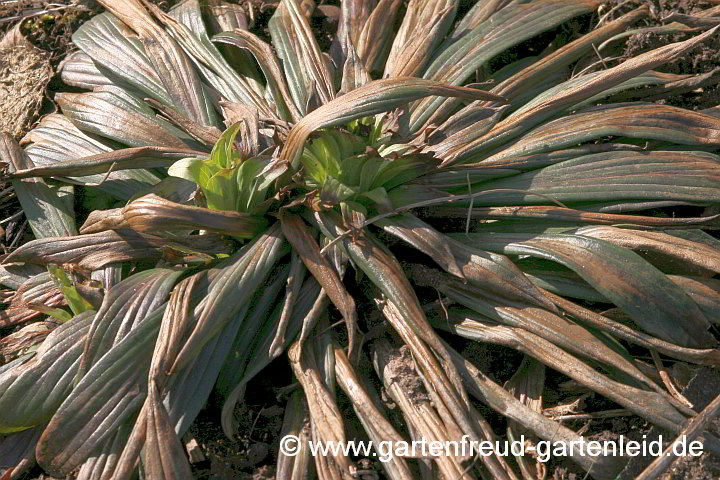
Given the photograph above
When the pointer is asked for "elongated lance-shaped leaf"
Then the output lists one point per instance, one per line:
(509, 26)
(479, 12)
(270, 67)
(102, 463)
(662, 249)
(612, 181)
(500, 400)
(706, 356)
(562, 215)
(354, 15)
(645, 121)
(423, 28)
(325, 416)
(520, 122)
(308, 51)
(292, 290)
(17, 452)
(566, 55)
(169, 61)
(221, 17)
(57, 143)
(297, 233)
(385, 272)
(650, 405)
(30, 394)
(152, 213)
(480, 268)
(125, 120)
(97, 250)
(554, 328)
(126, 306)
(651, 299)
(296, 418)
(119, 56)
(105, 398)
(241, 275)
(375, 97)
(311, 305)
(186, 25)
(164, 454)
(375, 39)
(527, 385)
(47, 214)
(125, 159)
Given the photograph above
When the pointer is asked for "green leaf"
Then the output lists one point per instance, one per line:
(75, 301)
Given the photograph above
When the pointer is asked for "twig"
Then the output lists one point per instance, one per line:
(665, 376)
(689, 433)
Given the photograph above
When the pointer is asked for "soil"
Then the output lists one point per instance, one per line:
(252, 454)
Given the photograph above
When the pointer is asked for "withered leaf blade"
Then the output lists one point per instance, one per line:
(648, 404)
(56, 142)
(613, 181)
(492, 394)
(297, 233)
(647, 121)
(666, 250)
(31, 394)
(457, 61)
(423, 28)
(652, 300)
(79, 70)
(241, 275)
(124, 159)
(572, 216)
(165, 455)
(111, 392)
(151, 213)
(97, 250)
(374, 41)
(119, 56)
(326, 418)
(124, 308)
(269, 65)
(170, 63)
(521, 121)
(375, 97)
(47, 213)
(125, 120)
(370, 416)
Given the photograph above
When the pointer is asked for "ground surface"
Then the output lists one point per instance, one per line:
(252, 454)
